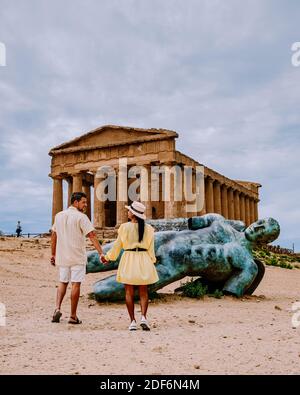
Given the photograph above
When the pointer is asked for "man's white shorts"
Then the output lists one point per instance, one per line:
(75, 274)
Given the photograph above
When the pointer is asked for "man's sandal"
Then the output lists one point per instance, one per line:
(56, 316)
(75, 321)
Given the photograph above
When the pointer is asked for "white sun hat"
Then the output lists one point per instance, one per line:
(138, 209)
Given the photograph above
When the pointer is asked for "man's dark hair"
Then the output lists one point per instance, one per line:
(77, 196)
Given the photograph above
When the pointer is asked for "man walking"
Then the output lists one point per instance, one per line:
(69, 230)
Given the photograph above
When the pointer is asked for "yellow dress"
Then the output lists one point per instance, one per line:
(135, 267)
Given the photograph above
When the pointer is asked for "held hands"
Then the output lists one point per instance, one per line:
(103, 260)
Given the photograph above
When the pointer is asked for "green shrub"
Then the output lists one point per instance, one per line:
(285, 265)
(217, 294)
(194, 289)
(272, 261)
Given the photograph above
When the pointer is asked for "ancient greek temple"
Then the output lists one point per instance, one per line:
(76, 163)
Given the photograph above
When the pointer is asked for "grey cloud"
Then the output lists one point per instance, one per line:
(217, 72)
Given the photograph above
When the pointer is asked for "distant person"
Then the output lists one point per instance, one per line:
(69, 230)
(19, 229)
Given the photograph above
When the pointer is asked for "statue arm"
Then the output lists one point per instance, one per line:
(237, 225)
(192, 223)
(168, 224)
(203, 221)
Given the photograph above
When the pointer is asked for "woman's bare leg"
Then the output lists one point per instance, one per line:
(129, 297)
(143, 290)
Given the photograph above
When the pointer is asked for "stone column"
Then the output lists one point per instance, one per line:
(231, 213)
(122, 198)
(224, 200)
(252, 211)
(256, 210)
(209, 195)
(57, 200)
(146, 190)
(217, 198)
(77, 182)
(170, 207)
(87, 190)
(242, 208)
(194, 190)
(70, 190)
(99, 213)
(203, 211)
(191, 204)
(247, 210)
(236, 198)
(181, 211)
(199, 190)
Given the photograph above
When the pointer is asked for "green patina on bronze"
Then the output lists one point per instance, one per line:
(211, 247)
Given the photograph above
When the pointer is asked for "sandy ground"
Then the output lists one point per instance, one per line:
(225, 336)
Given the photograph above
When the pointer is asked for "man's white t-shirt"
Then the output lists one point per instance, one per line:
(71, 227)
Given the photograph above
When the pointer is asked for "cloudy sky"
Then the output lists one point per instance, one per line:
(218, 72)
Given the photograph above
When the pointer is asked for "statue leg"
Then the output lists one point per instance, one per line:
(258, 278)
(244, 276)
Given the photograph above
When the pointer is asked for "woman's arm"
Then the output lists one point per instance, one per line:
(114, 252)
(151, 250)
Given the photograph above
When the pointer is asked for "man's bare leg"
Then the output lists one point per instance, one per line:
(75, 293)
(61, 291)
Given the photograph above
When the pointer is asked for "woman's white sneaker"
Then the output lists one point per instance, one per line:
(132, 326)
(144, 324)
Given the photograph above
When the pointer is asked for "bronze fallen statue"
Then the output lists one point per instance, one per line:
(209, 246)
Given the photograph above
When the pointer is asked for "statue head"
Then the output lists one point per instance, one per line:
(263, 231)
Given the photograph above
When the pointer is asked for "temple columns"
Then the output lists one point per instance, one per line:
(209, 195)
(224, 200)
(236, 198)
(122, 196)
(217, 198)
(146, 190)
(256, 210)
(77, 182)
(252, 213)
(70, 190)
(170, 206)
(230, 203)
(247, 210)
(87, 190)
(57, 201)
(99, 214)
(242, 208)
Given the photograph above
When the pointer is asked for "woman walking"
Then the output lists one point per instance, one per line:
(136, 267)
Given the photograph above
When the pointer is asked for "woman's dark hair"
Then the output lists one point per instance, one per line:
(141, 228)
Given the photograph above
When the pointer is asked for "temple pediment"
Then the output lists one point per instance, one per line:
(110, 134)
